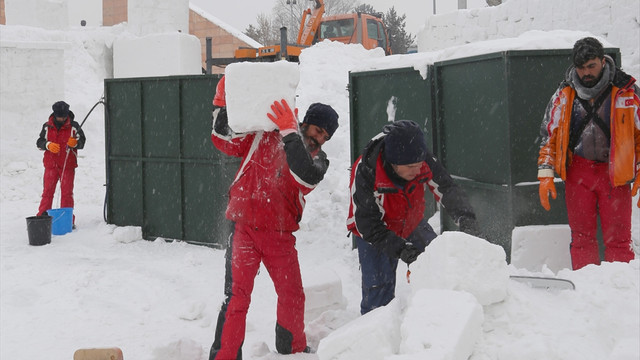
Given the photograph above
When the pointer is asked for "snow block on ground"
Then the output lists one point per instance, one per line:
(534, 246)
(323, 292)
(458, 261)
(157, 55)
(251, 88)
(127, 234)
(450, 324)
(373, 336)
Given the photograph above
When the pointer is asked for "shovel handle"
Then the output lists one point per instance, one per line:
(113, 353)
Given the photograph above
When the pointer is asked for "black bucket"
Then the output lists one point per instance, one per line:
(39, 229)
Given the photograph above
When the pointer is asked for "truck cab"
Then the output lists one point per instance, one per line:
(356, 28)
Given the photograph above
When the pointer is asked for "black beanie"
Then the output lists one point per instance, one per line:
(60, 109)
(404, 143)
(323, 116)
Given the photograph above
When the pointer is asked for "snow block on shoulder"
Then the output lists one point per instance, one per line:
(458, 261)
(535, 246)
(373, 336)
(450, 323)
(251, 88)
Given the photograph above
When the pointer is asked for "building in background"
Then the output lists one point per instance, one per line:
(225, 38)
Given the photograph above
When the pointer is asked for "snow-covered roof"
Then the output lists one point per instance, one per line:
(228, 28)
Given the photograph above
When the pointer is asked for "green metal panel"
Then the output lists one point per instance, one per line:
(369, 98)
(489, 111)
(163, 173)
(371, 93)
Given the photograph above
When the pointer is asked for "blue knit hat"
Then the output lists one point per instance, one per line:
(404, 143)
(323, 116)
(60, 109)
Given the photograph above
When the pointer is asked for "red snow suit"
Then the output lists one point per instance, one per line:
(266, 201)
(60, 166)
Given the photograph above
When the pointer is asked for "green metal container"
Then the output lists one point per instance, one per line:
(482, 115)
(489, 111)
(163, 172)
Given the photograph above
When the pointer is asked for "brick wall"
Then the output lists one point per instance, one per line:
(223, 43)
(114, 12)
(3, 18)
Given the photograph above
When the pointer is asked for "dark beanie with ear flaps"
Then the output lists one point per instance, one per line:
(404, 143)
(323, 116)
(60, 109)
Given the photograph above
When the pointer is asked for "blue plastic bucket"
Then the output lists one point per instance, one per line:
(61, 220)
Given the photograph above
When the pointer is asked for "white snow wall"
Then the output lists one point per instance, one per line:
(23, 66)
(152, 17)
(53, 14)
(514, 17)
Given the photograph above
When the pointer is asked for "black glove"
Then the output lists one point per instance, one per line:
(469, 226)
(409, 253)
(221, 121)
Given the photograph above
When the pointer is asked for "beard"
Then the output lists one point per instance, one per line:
(311, 143)
(590, 81)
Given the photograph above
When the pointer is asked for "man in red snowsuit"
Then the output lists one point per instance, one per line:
(591, 138)
(60, 139)
(266, 201)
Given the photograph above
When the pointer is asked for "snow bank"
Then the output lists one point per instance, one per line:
(613, 21)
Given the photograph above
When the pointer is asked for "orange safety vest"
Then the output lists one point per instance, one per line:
(625, 135)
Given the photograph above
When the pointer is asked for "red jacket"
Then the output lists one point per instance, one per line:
(51, 133)
(274, 176)
(385, 214)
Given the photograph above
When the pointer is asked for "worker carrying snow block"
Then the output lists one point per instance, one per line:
(251, 89)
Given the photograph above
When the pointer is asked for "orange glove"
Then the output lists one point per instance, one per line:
(219, 98)
(284, 117)
(72, 142)
(636, 186)
(53, 147)
(546, 186)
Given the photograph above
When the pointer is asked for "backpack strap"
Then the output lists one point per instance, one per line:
(592, 114)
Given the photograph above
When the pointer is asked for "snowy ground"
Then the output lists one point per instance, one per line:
(103, 286)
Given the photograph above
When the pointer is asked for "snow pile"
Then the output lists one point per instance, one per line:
(441, 318)
(614, 21)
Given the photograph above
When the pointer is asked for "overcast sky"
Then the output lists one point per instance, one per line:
(241, 13)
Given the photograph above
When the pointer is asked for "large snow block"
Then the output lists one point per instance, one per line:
(535, 246)
(373, 336)
(458, 261)
(251, 89)
(157, 55)
(450, 324)
(46, 14)
(32, 74)
(323, 292)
